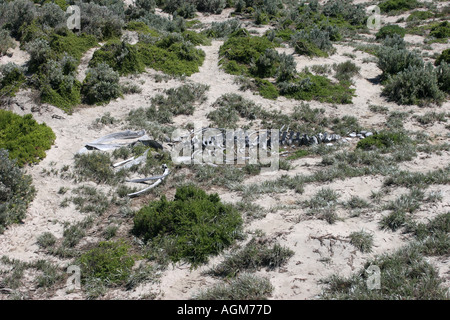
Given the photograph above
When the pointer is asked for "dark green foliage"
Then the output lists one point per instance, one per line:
(443, 57)
(11, 78)
(414, 85)
(101, 84)
(101, 21)
(419, 15)
(441, 31)
(443, 76)
(390, 30)
(120, 56)
(267, 89)
(194, 225)
(58, 83)
(24, 138)
(16, 191)
(18, 13)
(383, 140)
(346, 10)
(313, 87)
(172, 55)
(255, 255)
(96, 166)
(404, 274)
(241, 49)
(398, 5)
(244, 287)
(65, 41)
(315, 42)
(109, 261)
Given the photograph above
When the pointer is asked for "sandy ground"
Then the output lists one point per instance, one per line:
(313, 260)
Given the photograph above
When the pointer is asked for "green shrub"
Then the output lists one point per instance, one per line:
(443, 57)
(6, 42)
(346, 70)
(101, 84)
(441, 31)
(17, 13)
(267, 89)
(51, 15)
(395, 41)
(443, 76)
(223, 29)
(109, 261)
(96, 166)
(241, 49)
(345, 9)
(58, 83)
(40, 52)
(24, 138)
(65, 41)
(101, 21)
(194, 225)
(172, 56)
(16, 191)
(398, 5)
(255, 255)
(390, 30)
(315, 42)
(382, 140)
(415, 85)
(244, 287)
(313, 87)
(405, 274)
(362, 240)
(11, 78)
(120, 56)
(181, 100)
(392, 60)
(419, 15)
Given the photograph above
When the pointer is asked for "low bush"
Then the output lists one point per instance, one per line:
(109, 261)
(315, 42)
(346, 10)
(95, 166)
(443, 76)
(244, 287)
(345, 71)
(191, 227)
(24, 138)
(414, 85)
(241, 49)
(313, 87)
(255, 255)
(16, 191)
(120, 56)
(390, 30)
(405, 274)
(6, 42)
(398, 5)
(58, 83)
(443, 57)
(383, 140)
(100, 20)
(419, 15)
(11, 78)
(392, 60)
(101, 84)
(223, 29)
(362, 240)
(441, 31)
